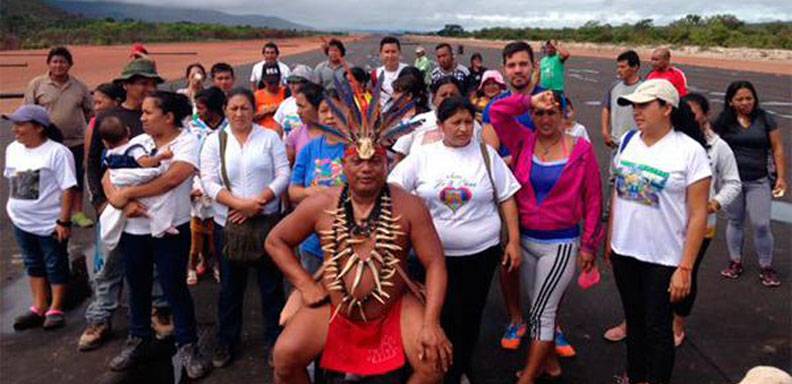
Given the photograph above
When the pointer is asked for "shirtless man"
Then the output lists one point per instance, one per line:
(360, 315)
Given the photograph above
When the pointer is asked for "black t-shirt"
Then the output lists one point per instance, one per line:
(475, 78)
(751, 146)
(94, 169)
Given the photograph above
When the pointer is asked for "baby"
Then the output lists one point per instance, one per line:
(131, 164)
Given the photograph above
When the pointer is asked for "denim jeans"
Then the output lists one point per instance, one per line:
(107, 283)
(233, 282)
(44, 256)
(754, 201)
(643, 288)
(170, 254)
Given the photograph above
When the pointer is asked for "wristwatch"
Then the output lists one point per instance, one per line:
(65, 224)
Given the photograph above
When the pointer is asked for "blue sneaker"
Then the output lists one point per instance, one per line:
(562, 346)
(514, 333)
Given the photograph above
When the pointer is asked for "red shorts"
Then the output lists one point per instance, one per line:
(365, 348)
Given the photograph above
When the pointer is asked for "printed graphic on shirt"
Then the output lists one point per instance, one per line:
(25, 185)
(455, 191)
(328, 173)
(640, 183)
(291, 122)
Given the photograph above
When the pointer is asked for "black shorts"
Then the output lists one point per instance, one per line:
(78, 151)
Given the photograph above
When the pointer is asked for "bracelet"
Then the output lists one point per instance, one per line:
(65, 224)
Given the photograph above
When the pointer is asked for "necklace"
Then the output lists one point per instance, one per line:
(344, 234)
(546, 149)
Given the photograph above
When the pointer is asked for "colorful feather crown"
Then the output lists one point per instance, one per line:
(366, 125)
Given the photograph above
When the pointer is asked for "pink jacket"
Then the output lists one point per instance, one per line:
(576, 196)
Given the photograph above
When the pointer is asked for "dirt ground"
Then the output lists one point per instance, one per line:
(770, 61)
(96, 64)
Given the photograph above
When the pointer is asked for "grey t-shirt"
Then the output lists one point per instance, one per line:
(324, 72)
(751, 146)
(621, 118)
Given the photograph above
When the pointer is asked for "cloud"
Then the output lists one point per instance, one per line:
(476, 14)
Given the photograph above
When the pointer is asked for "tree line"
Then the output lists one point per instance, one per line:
(712, 31)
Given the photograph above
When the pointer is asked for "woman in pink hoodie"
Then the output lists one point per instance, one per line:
(560, 187)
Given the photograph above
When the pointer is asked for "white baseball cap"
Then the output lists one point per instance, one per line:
(654, 89)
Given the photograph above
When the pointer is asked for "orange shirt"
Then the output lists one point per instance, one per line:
(266, 100)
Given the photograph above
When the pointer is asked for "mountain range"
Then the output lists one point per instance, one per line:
(162, 14)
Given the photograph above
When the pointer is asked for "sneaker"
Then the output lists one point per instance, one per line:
(733, 271)
(54, 320)
(162, 322)
(82, 220)
(135, 351)
(93, 336)
(617, 333)
(192, 277)
(31, 319)
(514, 333)
(193, 362)
(562, 346)
(769, 277)
(221, 356)
(201, 268)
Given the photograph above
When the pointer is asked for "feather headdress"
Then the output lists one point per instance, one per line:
(366, 125)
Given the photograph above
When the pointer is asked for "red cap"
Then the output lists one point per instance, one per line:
(138, 50)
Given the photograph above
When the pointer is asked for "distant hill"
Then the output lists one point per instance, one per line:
(157, 14)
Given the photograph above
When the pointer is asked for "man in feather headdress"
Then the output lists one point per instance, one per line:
(361, 311)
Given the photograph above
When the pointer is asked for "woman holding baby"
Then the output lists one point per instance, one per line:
(163, 113)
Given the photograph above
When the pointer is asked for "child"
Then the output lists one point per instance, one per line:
(130, 164)
(573, 128)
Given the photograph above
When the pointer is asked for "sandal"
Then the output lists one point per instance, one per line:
(192, 277)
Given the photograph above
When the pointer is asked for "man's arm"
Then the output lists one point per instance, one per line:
(290, 233)
(563, 53)
(427, 245)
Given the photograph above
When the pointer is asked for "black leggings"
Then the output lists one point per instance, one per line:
(643, 288)
(684, 307)
(469, 279)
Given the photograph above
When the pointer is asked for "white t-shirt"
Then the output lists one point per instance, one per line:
(185, 148)
(650, 211)
(287, 117)
(426, 134)
(37, 176)
(387, 78)
(578, 130)
(255, 73)
(455, 186)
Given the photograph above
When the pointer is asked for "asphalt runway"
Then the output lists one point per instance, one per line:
(736, 324)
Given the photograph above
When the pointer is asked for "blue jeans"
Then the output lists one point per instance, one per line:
(107, 283)
(44, 256)
(169, 253)
(233, 282)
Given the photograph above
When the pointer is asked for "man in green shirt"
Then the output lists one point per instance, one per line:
(552, 66)
(423, 64)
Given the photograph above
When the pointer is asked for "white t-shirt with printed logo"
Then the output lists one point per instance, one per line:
(455, 186)
(185, 148)
(37, 176)
(650, 211)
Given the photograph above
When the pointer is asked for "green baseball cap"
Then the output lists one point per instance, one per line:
(142, 68)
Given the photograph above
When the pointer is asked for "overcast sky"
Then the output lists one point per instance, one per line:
(475, 14)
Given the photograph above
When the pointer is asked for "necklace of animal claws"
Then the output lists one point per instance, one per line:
(340, 240)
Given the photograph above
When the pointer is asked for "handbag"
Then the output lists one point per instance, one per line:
(504, 231)
(243, 243)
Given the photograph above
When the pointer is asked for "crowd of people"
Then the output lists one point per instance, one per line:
(386, 198)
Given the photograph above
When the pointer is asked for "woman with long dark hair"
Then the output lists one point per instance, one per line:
(752, 134)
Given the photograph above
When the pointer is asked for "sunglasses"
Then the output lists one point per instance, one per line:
(548, 112)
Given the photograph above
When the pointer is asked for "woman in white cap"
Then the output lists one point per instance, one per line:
(41, 173)
(657, 222)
